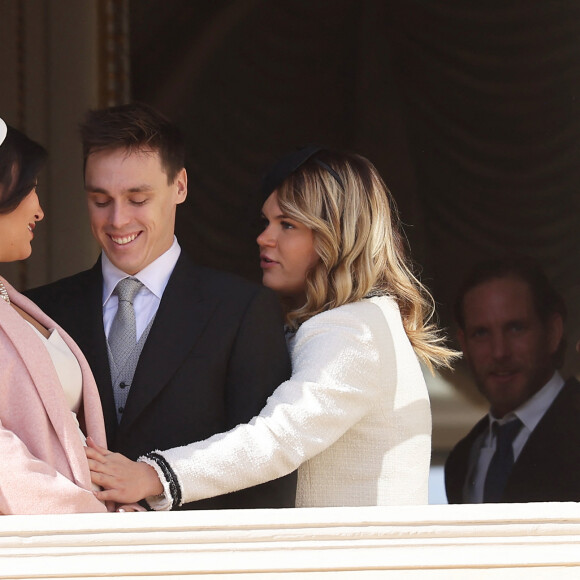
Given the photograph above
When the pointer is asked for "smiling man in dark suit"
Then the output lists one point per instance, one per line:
(188, 352)
(528, 447)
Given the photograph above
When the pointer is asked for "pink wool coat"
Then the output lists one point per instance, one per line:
(43, 468)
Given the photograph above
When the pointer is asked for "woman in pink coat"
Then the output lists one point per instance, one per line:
(48, 397)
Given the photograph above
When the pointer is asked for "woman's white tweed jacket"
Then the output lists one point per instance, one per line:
(354, 418)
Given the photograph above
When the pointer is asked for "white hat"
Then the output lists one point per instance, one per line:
(3, 130)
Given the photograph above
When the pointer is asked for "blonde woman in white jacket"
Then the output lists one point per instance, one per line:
(354, 418)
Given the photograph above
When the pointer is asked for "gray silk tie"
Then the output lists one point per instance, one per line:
(123, 333)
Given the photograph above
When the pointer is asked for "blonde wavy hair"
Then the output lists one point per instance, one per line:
(358, 236)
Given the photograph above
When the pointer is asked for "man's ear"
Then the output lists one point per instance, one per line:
(181, 183)
(555, 329)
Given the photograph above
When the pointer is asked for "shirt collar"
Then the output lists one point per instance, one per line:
(534, 408)
(154, 277)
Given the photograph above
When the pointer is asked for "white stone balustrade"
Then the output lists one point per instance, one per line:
(532, 541)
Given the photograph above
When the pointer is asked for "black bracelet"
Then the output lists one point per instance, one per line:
(169, 474)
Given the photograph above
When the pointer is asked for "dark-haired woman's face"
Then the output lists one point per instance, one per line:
(286, 252)
(17, 229)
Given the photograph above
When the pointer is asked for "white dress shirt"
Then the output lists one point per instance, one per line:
(154, 278)
(530, 414)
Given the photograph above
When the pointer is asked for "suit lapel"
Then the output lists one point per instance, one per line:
(179, 322)
(551, 433)
(83, 318)
(457, 467)
(96, 345)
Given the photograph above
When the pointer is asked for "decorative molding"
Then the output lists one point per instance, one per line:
(442, 542)
(114, 67)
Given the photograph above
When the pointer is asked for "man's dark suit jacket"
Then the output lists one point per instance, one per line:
(215, 353)
(548, 467)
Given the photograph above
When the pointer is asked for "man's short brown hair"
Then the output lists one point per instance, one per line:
(134, 127)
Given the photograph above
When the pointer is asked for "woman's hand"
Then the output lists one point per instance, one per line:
(123, 481)
(130, 507)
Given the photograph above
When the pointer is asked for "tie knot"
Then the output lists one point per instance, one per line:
(507, 432)
(127, 289)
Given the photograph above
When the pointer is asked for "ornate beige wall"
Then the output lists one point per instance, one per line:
(49, 66)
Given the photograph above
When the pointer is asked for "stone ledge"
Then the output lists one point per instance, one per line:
(508, 541)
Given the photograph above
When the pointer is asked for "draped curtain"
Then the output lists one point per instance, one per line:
(471, 111)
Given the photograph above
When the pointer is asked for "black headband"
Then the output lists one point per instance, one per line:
(290, 163)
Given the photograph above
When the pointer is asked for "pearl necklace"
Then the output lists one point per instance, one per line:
(4, 293)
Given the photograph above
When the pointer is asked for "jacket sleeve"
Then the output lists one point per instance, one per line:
(336, 363)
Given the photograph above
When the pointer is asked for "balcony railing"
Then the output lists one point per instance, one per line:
(531, 541)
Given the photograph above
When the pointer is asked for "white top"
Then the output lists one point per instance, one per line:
(154, 278)
(483, 448)
(69, 374)
(67, 367)
(355, 416)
